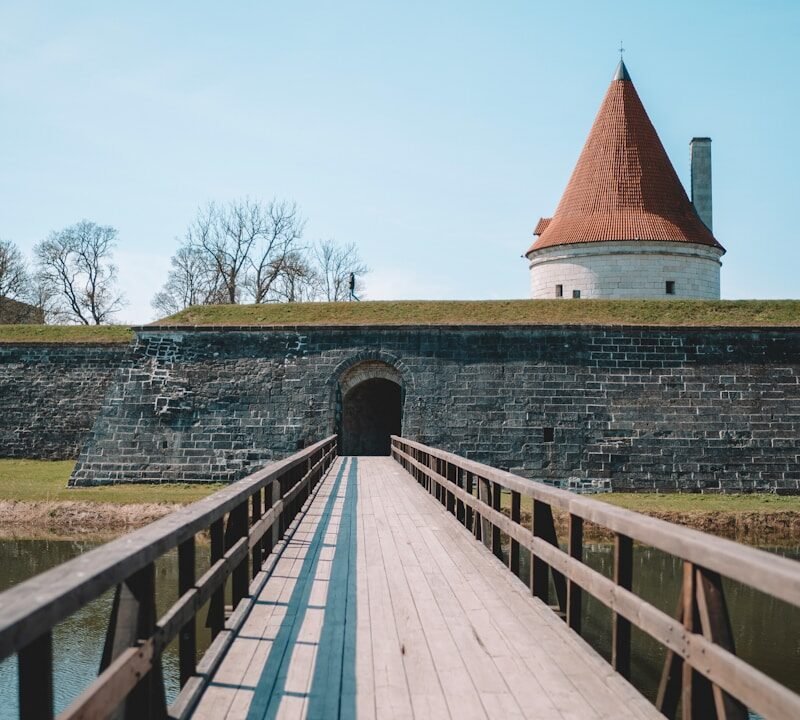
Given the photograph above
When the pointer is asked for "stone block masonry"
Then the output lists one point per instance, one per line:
(50, 396)
(643, 408)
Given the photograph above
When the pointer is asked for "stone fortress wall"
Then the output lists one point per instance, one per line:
(641, 408)
(50, 396)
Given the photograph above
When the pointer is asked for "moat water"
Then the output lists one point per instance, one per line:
(767, 631)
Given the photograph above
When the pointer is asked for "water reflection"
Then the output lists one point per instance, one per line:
(771, 646)
(78, 641)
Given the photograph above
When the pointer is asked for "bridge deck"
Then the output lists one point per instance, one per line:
(383, 606)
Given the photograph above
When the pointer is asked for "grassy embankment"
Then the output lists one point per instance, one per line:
(753, 518)
(67, 334)
(672, 313)
(36, 502)
(685, 313)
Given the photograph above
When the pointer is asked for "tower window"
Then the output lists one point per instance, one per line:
(670, 287)
(576, 293)
(548, 434)
(559, 291)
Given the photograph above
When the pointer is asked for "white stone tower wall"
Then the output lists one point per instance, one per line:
(617, 270)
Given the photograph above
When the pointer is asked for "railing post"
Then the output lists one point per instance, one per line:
(216, 606)
(497, 547)
(257, 504)
(133, 618)
(275, 496)
(516, 513)
(459, 479)
(716, 625)
(687, 597)
(187, 642)
(544, 528)
(485, 496)
(540, 583)
(469, 514)
(237, 529)
(452, 471)
(573, 589)
(35, 669)
(621, 627)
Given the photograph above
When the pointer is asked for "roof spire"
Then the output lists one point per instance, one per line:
(621, 72)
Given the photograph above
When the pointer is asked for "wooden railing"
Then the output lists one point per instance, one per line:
(702, 673)
(245, 521)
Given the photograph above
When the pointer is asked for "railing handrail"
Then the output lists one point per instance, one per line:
(38, 604)
(769, 573)
(698, 640)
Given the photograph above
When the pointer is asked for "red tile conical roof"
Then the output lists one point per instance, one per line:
(624, 186)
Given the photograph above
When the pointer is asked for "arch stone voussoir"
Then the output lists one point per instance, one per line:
(367, 365)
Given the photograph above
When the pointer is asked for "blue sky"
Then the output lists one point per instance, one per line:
(432, 134)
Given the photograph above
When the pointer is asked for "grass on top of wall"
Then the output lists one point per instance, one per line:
(689, 313)
(78, 334)
(46, 481)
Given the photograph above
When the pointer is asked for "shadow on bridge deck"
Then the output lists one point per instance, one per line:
(381, 605)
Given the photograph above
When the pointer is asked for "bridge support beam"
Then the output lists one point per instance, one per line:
(701, 608)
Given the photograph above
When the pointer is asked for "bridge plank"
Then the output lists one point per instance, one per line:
(518, 604)
(462, 701)
(441, 628)
(506, 687)
(470, 590)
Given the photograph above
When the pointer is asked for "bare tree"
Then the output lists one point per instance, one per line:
(14, 281)
(75, 264)
(191, 281)
(237, 251)
(275, 254)
(297, 281)
(335, 263)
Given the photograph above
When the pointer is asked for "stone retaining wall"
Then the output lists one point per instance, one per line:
(643, 408)
(50, 396)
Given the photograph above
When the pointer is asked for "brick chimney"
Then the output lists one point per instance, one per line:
(701, 178)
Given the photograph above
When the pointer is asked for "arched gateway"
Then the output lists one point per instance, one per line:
(371, 395)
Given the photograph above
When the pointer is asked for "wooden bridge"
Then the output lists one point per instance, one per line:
(390, 587)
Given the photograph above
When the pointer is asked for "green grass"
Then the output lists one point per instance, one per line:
(690, 502)
(87, 334)
(43, 480)
(690, 313)
(686, 502)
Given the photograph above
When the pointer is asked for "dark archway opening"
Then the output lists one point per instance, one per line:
(371, 412)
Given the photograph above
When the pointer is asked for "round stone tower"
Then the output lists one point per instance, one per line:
(624, 227)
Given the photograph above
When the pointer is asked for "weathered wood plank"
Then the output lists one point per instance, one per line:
(620, 626)
(187, 644)
(35, 669)
(575, 550)
(61, 591)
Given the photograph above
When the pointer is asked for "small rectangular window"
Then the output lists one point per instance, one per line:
(559, 291)
(548, 435)
(670, 287)
(576, 293)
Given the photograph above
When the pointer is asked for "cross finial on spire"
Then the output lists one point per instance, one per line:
(621, 49)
